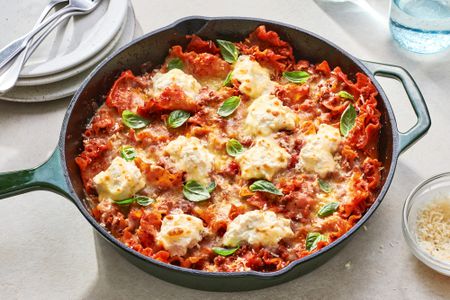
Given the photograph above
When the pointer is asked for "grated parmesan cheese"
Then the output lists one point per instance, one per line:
(433, 228)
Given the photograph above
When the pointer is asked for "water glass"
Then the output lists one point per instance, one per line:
(421, 26)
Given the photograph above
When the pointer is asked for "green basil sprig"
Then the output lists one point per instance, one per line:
(345, 95)
(227, 81)
(348, 120)
(234, 148)
(296, 76)
(128, 153)
(175, 63)
(195, 192)
(328, 209)
(265, 186)
(211, 187)
(228, 50)
(224, 251)
(324, 186)
(229, 106)
(132, 120)
(177, 118)
(312, 239)
(141, 200)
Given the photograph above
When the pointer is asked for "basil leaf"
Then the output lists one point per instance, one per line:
(234, 148)
(224, 251)
(345, 95)
(143, 201)
(265, 186)
(229, 106)
(227, 81)
(177, 118)
(175, 63)
(195, 192)
(324, 186)
(328, 209)
(312, 239)
(348, 120)
(128, 153)
(296, 76)
(132, 120)
(228, 50)
(211, 187)
(125, 201)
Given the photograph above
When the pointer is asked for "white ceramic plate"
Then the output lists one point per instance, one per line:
(71, 43)
(30, 81)
(68, 86)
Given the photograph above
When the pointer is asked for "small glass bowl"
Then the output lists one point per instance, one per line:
(425, 192)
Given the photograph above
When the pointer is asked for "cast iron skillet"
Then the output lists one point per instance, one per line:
(60, 174)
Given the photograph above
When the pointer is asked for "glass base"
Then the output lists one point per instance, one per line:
(424, 42)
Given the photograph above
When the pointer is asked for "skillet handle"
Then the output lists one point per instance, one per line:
(48, 176)
(408, 138)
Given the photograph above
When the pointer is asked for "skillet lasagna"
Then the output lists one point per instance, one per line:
(233, 156)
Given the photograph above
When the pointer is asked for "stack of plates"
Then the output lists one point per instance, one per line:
(57, 68)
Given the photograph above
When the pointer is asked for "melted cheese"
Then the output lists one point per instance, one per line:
(121, 180)
(254, 79)
(267, 115)
(212, 83)
(317, 154)
(216, 143)
(180, 232)
(257, 227)
(191, 156)
(187, 83)
(263, 160)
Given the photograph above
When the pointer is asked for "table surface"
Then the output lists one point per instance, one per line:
(49, 251)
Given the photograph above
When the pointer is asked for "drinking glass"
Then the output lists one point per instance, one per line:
(421, 26)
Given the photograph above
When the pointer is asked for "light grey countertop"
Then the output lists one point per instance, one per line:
(49, 251)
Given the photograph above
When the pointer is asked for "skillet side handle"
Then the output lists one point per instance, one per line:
(408, 138)
(48, 176)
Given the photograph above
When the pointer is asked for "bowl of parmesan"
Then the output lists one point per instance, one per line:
(426, 222)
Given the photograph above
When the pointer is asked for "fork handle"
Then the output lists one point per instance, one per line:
(11, 71)
(9, 50)
(18, 45)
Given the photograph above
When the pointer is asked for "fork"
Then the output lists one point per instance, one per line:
(75, 7)
(13, 69)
